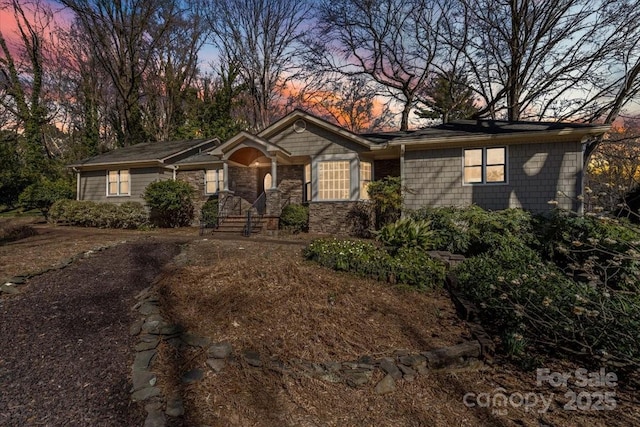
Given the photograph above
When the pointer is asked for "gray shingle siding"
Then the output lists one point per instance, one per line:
(93, 184)
(314, 141)
(536, 173)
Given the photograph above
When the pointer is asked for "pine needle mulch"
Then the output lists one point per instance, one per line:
(262, 296)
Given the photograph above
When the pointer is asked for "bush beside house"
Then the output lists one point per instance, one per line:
(295, 218)
(170, 203)
(84, 213)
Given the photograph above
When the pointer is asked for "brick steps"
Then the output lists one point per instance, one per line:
(234, 224)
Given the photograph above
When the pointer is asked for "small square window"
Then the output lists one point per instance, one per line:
(485, 165)
(118, 183)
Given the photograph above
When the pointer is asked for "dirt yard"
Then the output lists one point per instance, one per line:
(65, 351)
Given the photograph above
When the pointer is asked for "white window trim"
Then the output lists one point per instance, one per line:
(118, 193)
(484, 166)
(217, 181)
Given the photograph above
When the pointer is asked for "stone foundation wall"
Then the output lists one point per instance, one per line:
(352, 218)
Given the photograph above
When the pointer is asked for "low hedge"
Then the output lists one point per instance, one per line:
(409, 266)
(84, 213)
(295, 218)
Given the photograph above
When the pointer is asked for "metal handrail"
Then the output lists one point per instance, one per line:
(260, 205)
(221, 214)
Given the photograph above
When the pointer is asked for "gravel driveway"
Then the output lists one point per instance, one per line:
(65, 349)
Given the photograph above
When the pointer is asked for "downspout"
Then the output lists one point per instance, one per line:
(402, 149)
(173, 169)
(77, 172)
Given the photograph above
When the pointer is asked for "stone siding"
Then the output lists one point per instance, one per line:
(243, 181)
(195, 178)
(339, 217)
(535, 174)
(290, 182)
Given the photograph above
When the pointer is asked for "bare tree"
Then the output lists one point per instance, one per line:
(125, 37)
(262, 37)
(350, 102)
(533, 59)
(173, 72)
(393, 42)
(22, 79)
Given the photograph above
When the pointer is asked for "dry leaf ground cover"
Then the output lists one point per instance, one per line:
(262, 296)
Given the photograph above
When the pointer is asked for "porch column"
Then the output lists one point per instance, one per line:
(274, 172)
(225, 175)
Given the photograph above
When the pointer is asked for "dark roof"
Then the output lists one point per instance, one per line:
(144, 152)
(198, 158)
(461, 128)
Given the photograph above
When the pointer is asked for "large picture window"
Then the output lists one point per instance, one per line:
(365, 179)
(213, 181)
(485, 165)
(118, 183)
(334, 180)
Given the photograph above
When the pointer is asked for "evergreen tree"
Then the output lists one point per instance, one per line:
(447, 97)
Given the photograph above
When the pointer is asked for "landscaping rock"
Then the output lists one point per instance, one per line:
(451, 356)
(147, 308)
(358, 377)
(388, 366)
(386, 385)
(195, 340)
(220, 350)
(135, 328)
(175, 407)
(147, 345)
(8, 288)
(18, 280)
(217, 365)
(143, 359)
(155, 418)
(143, 379)
(407, 371)
(252, 358)
(193, 376)
(145, 393)
(332, 366)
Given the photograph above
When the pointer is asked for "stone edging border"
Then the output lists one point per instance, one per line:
(12, 285)
(151, 328)
(467, 311)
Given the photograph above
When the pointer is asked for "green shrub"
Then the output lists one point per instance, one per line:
(472, 230)
(409, 266)
(170, 203)
(406, 233)
(386, 195)
(209, 212)
(532, 299)
(360, 218)
(42, 194)
(129, 215)
(596, 250)
(295, 218)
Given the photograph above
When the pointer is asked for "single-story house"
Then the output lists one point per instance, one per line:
(302, 158)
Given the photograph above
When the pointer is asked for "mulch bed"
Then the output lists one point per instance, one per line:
(66, 352)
